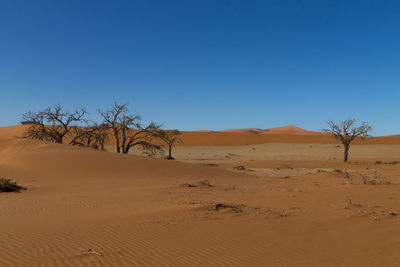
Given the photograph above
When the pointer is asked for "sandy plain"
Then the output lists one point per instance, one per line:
(292, 205)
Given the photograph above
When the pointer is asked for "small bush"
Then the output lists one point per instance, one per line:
(368, 180)
(7, 186)
(239, 168)
(373, 179)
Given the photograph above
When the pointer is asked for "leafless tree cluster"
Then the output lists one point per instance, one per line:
(346, 132)
(127, 129)
(52, 124)
(56, 125)
(92, 136)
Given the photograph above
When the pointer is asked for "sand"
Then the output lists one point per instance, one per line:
(289, 207)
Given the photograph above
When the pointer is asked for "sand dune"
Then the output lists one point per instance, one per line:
(209, 138)
(288, 128)
(283, 129)
(248, 130)
(92, 208)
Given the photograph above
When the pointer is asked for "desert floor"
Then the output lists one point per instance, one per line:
(292, 205)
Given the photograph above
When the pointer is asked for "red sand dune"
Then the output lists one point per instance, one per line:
(248, 130)
(284, 129)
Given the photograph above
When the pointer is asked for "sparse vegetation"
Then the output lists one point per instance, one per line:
(127, 129)
(373, 179)
(93, 136)
(367, 179)
(169, 137)
(6, 185)
(52, 124)
(152, 151)
(346, 132)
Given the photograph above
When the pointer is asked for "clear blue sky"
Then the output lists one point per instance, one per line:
(198, 64)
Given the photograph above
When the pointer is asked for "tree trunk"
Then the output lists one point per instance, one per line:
(116, 140)
(346, 152)
(125, 149)
(118, 146)
(170, 152)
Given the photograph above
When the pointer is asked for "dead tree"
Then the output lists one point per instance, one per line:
(346, 132)
(52, 124)
(127, 129)
(100, 136)
(91, 136)
(169, 137)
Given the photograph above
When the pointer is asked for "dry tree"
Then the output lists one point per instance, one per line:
(100, 136)
(346, 132)
(91, 136)
(52, 124)
(169, 137)
(127, 129)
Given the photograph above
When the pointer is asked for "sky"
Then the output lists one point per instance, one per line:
(205, 64)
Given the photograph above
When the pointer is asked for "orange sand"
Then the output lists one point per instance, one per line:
(91, 208)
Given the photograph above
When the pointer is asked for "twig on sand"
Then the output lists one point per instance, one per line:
(91, 251)
(188, 185)
(234, 208)
(201, 183)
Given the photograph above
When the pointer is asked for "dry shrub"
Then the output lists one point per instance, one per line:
(239, 168)
(373, 179)
(7, 186)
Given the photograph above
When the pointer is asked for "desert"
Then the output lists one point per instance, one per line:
(290, 205)
(204, 133)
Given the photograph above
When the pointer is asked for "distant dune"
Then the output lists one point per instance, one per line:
(248, 130)
(286, 134)
(287, 129)
(203, 131)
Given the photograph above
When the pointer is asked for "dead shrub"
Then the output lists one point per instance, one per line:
(373, 179)
(205, 183)
(234, 208)
(239, 168)
(7, 186)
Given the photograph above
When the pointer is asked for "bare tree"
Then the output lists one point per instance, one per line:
(100, 136)
(127, 129)
(346, 132)
(169, 137)
(52, 124)
(92, 136)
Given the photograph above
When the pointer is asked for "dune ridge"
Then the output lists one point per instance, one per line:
(209, 138)
(288, 128)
